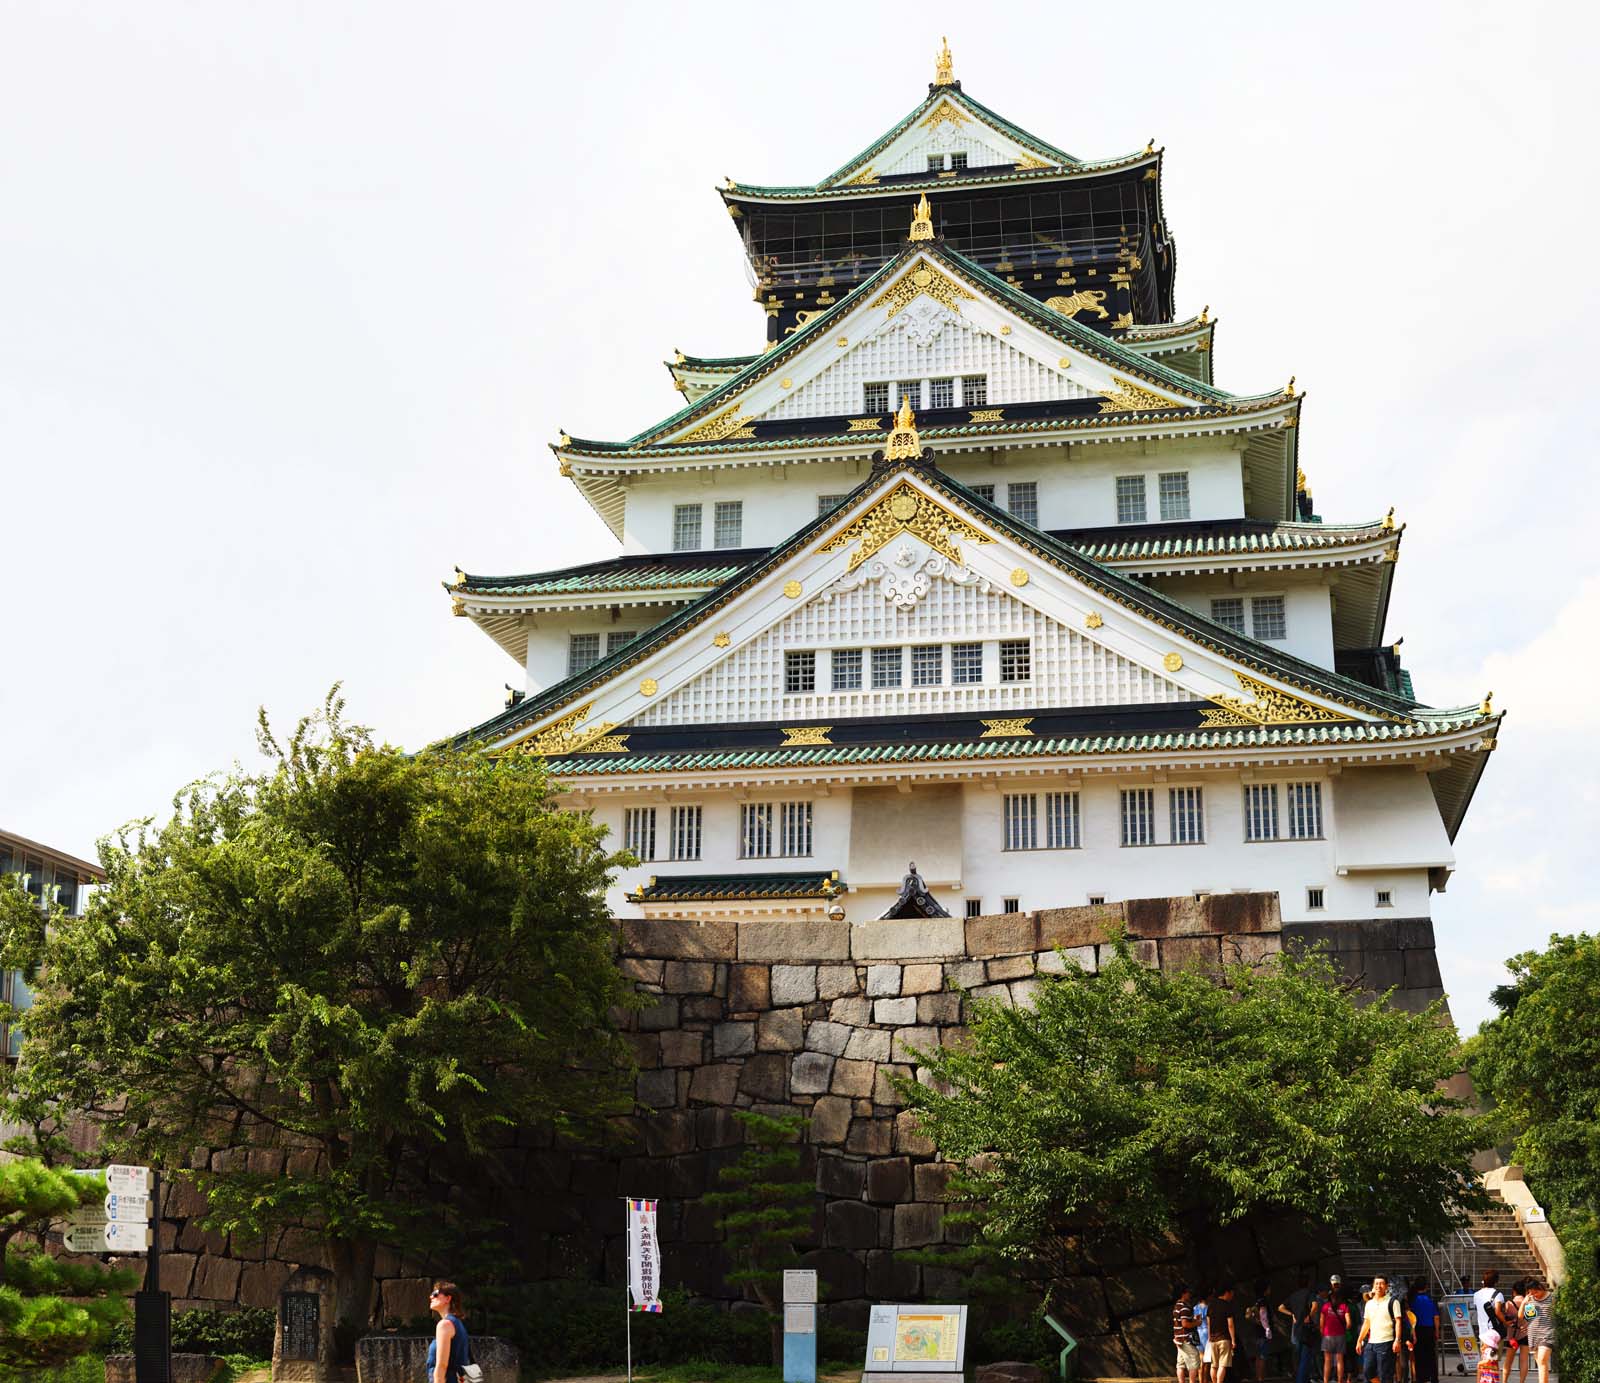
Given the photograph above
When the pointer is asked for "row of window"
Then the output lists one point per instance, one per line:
(684, 833)
(1381, 898)
(953, 162)
(767, 830)
(887, 666)
(1172, 493)
(1268, 618)
(1057, 824)
(949, 391)
(584, 651)
(688, 524)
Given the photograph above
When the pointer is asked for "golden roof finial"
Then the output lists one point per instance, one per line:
(1150, 145)
(1205, 314)
(1301, 485)
(944, 72)
(677, 356)
(903, 442)
(461, 578)
(1487, 709)
(1289, 387)
(1388, 520)
(922, 220)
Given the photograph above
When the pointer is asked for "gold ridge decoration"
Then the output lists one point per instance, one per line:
(866, 424)
(944, 67)
(904, 444)
(1263, 705)
(922, 220)
(1028, 161)
(905, 509)
(716, 429)
(939, 286)
(947, 111)
(569, 735)
(1016, 725)
(805, 734)
(865, 178)
(1128, 397)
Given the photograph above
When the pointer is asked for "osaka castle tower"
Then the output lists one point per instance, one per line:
(973, 566)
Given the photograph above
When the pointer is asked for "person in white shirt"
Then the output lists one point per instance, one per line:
(1375, 1343)
(1487, 1301)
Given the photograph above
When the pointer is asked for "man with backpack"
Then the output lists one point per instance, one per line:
(1380, 1329)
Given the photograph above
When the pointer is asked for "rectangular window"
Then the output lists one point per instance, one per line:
(1138, 816)
(685, 825)
(875, 398)
(1261, 811)
(639, 832)
(727, 528)
(1229, 613)
(1022, 500)
(887, 667)
(1267, 619)
(1383, 898)
(927, 665)
(794, 820)
(1305, 811)
(909, 389)
(800, 672)
(583, 651)
(1097, 900)
(1011, 905)
(1016, 661)
(1188, 816)
(1173, 488)
(975, 391)
(685, 527)
(983, 492)
(974, 907)
(1313, 900)
(958, 159)
(935, 163)
(826, 504)
(847, 669)
(1021, 821)
(1130, 499)
(941, 393)
(619, 638)
(755, 830)
(20, 997)
(1061, 821)
(966, 664)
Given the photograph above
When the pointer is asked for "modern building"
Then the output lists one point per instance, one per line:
(50, 876)
(975, 565)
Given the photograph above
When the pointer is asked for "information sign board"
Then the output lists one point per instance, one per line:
(130, 1209)
(1463, 1327)
(85, 1239)
(917, 1339)
(86, 1216)
(127, 1180)
(800, 1285)
(122, 1237)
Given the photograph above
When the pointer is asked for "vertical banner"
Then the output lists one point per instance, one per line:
(644, 1256)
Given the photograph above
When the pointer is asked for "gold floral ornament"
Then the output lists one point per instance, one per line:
(1173, 662)
(1019, 576)
(1001, 729)
(922, 220)
(1127, 397)
(946, 112)
(905, 509)
(720, 640)
(904, 444)
(1263, 705)
(792, 589)
(569, 735)
(1092, 620)
(805, 734)
(943, 289)
(725, 424)
(649, 687)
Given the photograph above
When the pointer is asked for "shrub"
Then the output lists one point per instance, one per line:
(247, 1331)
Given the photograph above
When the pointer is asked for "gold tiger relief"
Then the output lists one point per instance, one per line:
(1084, 300)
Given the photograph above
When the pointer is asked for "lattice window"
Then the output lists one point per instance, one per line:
(1267, 618)
(1022, 500)
(1383, 898)
(935, 163)
(966, 664)
(983, 492)
(908, 389)
(1228, 611)
(1173, 488)
(875, 398)
(974, 907)
(619, 638)
(941, 393)
(1313, 900)
(975, 392)
(912, 155)
(1130, 499)
(847, 669)
(583, 651)
(1011, 905)
(755, 830)
(1138, 816)
(639, 832)
(826, 504)
(794, 828)
(1062, 821)
(887, 667)
(1261, 811)
(799, 672)
(1186, 810)
(958, 159)
(728, 523)
(685, 527)
(1016, 661)
(927, 665)
(1305, 811)
(1021, 810)
(685, 824)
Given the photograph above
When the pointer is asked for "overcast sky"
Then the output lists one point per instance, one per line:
(294, 297)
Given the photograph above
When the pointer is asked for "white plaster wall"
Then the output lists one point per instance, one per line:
(777, 501)
(1307, 605)
(549, 637)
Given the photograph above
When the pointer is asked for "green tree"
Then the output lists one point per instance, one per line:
(50, 1311)
(1538, 1061)
(1157, 1102)
(382, 962)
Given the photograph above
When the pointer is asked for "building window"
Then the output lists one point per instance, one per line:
(755, 830)
(1267, 619)
(935, 163)
(1061, 821)
(974, 907)
(685, 828)
(1383, 898)
(685, 527)
(966, 664)
(14, 991)
(941, 393)
(639, 832)
(1097, 900)
(1022, 500)
(1229, 613)
(958, 159)
(974, 391)
(927, 665)
(794, 819)
(1187, 815)
(1261, 811)
(1138, 816)
(847, 669)
(727, 524)
(1011, 905)
(800, 672)
(619, 638)
(826, 504)
(1305, 811)
(1021, 821)
(1313, 900)
(983, 492)
(1016, 661)
(1173, 489)
(886, 667)
(1130, 499)
(875, 398)
(909, 389)
(583, 651)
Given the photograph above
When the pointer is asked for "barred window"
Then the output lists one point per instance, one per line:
(875, 398)
(847, 669)
(619, 638)
(966, 663)
(1011, 905)
(1173, 488)
(794, 819)
(1267, 619)
(1061, 821)
(983, 492)
(1260, 811)
(1313, 900)
(639, 832)
(958, 159)
(941, 393)
(728, 523)
(1022, 499)
(1383, 897)
(909, 389)
(1138, 816)
(583, 651)
(685, 527)
(1130, 499)
(826, 504)
(927, 665)
(974, 391)
(1016, 661)
(974, 907)
(1305, 811)
(1229, 613)
(1021, 821)
(755, 830)
(887, 670)
(1188, 816)
(800, 671)
(684, 824)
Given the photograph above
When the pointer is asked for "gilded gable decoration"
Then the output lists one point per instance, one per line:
(569, 735)
(925, 278)
(805, 734)
(726, 424)
(905, 509)
(1084, 300)
(1264, 705)
(1128, 397)
(945, 112)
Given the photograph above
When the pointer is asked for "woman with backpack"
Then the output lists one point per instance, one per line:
(450, 1352)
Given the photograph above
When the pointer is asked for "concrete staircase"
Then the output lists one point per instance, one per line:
(1500, 1244)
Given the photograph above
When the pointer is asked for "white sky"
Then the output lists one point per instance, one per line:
(293, 297)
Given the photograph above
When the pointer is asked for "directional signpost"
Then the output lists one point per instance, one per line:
(125, 1223)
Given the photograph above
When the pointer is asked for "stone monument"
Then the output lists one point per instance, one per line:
(303, 1348)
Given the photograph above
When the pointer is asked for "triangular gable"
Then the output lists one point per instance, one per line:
(946, 124)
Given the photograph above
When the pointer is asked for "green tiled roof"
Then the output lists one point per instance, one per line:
(616, 574)
(700, 888)
(1277, 537)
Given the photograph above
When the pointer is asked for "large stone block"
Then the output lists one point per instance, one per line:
(932, 1180)
(1060, 961)
(891, 1278)
(938, 1008)
(1024, 993)
(717, 1128)
(811, 1073)
(853, 1012)
(964, 974)
(682, 1048)
(715, 1084)
(929, 938)
(399, 1299)
(869, 1044)
(1148, 1339)
(690, 977)
(993, 994)
(918, 1224)
(793, 984)
(1069, 927)
(889, 1180)
(925, 1039)
(851, 1225)
(894, 1011)
(883, 981)
(680, 940)
(748, 988)
(780, 1030)
(659, 1016)
(840, 1273)
(836, 981)
(1421, 969)
(827, 1037)
(922, 979)
(1132, 1290)
(794, 941)
(701, 1008)
(853, 1078)
(883, 1090)
(665, 1134)
(217, 1279)
(645, 971)
(1004, 934)
(657, 1089)
(733, 1039)
(870, 1137)
(1251, 949)
(839, 1176)
(830, 1123)
(765, 1077)
(909, 1138)
(1202, 953)
(1010, 967)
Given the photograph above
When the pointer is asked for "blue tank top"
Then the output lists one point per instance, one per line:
(460, 1350)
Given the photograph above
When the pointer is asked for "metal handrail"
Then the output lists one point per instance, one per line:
(1068, 1336)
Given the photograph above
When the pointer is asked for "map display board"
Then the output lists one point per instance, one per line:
(917, 1339)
